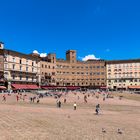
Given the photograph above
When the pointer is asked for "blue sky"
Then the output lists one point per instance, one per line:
(108, 29)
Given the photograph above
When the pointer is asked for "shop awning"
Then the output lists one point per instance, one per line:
(32, 86)
(2, 87)
(19, 86)
(73, 88)
(24, 86)
(134, 87)
(103, 87)
(44, 87)
(48, 87)
(61, 87)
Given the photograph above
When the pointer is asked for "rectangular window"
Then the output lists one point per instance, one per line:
(53, 73)
(20, 77)
(26, 61)
(13, 76)
(5, 66)
(13, 59)
(13, 66)
(20, 61)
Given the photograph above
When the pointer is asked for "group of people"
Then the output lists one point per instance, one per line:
(85, 99)
(58, 103)
(36, 98)
(21, 97)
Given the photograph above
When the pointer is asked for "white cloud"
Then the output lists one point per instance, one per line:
(35, 51)
(41, 54)
(90, 56)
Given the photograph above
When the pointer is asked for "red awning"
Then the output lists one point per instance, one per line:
(2, 87)
(48, 87)
(61, 87)
(24, 86)
(103, 87)
(19, 86)
(53, 87)
(32, 86)
(134, 87)
(44, 87)
(73, 88)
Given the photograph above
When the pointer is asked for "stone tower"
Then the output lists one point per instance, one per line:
(71, 56)
(52, 57)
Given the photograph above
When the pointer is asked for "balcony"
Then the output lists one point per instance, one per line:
(20, 71)
(23, 80)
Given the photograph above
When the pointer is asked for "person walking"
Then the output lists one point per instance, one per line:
(4, 98)
(59, 104)
(65, 100)
(17, 98)
(97, 109)
(85, 99)
(74, 106)
(37, 100)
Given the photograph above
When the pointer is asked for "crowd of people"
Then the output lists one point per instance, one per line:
(61, 97)
(21, 97)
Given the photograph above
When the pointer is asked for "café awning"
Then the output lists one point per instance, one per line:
(73, 88)
(2, 87)
(103, 87)
(32, 86)
(24, 86)
(134, 87)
